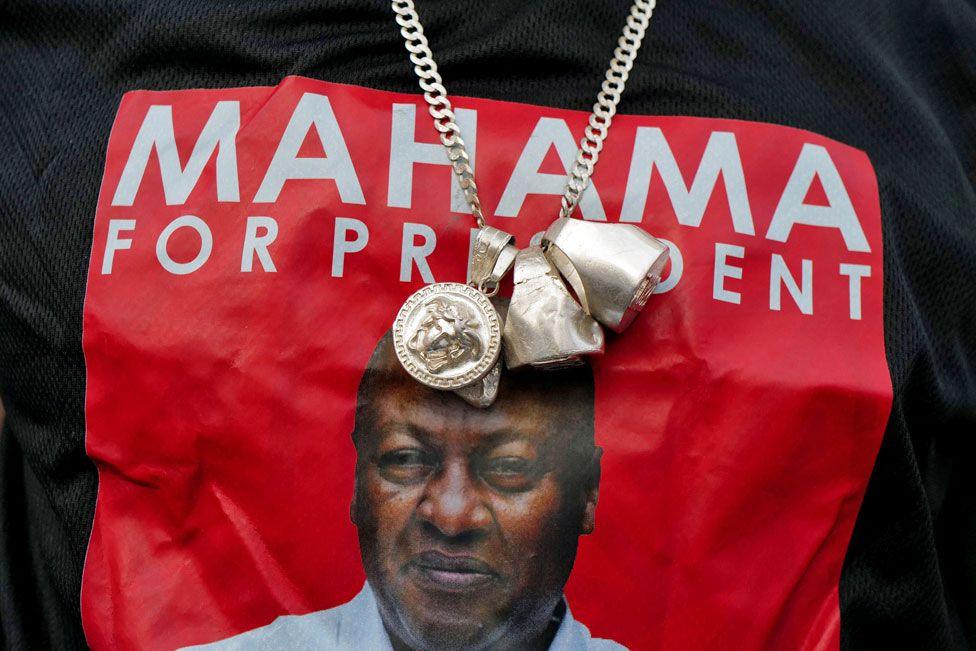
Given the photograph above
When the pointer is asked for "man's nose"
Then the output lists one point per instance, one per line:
(452, 503)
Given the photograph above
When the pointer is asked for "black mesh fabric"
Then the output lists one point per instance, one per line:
(892, 77)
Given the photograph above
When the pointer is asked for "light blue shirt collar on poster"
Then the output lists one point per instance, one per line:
(356, 625)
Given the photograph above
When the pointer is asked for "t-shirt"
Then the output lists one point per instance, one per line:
(357, 625)
(896, 80)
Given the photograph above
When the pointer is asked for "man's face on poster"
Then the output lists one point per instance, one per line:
(469, 518)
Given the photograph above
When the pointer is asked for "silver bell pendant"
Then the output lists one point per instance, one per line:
(613, 268)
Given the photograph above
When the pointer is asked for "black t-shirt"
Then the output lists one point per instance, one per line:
(896, 79)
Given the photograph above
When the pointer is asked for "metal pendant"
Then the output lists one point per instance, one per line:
(613, 268)
(447, 335)
(545, 327)
(482, 393)
(491, 258)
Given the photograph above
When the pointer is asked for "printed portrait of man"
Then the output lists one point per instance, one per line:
(468, 518)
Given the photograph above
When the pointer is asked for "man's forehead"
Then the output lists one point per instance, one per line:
(424, 412)
(538, 404)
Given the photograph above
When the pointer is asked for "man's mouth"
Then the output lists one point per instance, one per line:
(451, 573)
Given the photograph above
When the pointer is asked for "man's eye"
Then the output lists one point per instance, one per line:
(405, 465)
(509, 465)
(403, 458)
(509, 473)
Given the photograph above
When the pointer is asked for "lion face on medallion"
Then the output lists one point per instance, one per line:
(446, 337)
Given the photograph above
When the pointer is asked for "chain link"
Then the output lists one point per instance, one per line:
(606, 103)
(440, 109)
(439, 106)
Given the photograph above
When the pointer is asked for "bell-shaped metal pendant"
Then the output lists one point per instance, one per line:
(613, 268)
(545, 326)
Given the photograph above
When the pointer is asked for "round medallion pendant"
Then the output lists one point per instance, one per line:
(447, 335)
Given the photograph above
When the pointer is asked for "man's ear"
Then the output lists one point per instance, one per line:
(592, 494)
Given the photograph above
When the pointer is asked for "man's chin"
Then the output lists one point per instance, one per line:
(450, 631)
(452, 619)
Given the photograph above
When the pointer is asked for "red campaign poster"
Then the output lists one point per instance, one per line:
(253, 245)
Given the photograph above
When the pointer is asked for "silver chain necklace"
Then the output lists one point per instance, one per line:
(449, 336)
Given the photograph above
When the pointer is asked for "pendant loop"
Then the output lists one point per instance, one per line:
(492, 257)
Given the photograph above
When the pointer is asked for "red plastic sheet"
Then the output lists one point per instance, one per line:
(740, 415)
